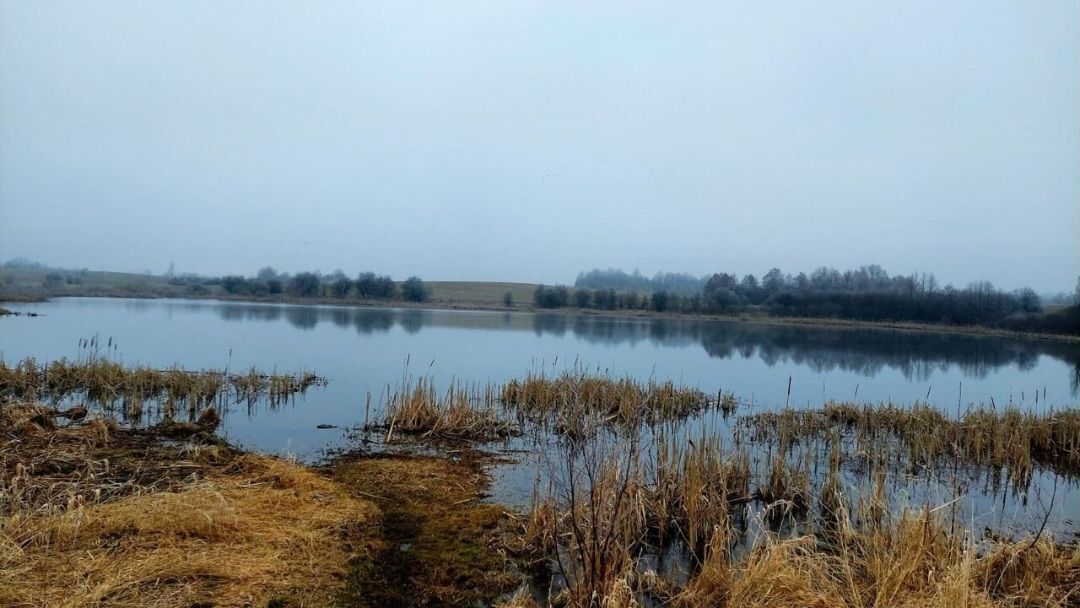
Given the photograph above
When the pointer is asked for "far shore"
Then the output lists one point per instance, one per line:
(442, 304)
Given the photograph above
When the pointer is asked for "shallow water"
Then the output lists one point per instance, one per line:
(363, 350)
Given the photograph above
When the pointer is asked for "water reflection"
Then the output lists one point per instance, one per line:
(915, 355)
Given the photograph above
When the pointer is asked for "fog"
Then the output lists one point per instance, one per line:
(528, 141)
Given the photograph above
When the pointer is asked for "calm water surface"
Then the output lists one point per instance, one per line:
(362, 350)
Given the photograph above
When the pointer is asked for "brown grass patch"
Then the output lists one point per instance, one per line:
(93, 515)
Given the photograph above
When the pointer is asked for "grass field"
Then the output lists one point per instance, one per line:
(481, 293)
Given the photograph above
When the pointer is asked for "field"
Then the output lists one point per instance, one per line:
(481, 294)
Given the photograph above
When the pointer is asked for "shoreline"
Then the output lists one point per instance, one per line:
(440, 305)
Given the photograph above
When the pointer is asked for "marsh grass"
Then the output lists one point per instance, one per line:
(462, 412)
(567, 399)
(1007, 440)
(596, 538)
(136, 390)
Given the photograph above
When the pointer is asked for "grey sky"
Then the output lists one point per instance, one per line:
(528, 141)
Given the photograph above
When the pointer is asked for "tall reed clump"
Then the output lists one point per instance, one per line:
(695, 487)
(625, 402)
(593, 529)
(462, 412)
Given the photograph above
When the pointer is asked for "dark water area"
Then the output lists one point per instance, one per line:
(363, 351)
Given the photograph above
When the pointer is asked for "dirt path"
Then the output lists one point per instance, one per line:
(438, 544)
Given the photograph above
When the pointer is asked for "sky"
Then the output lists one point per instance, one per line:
(527, 141)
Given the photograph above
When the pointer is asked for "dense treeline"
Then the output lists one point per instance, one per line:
(613, 279)
(868, 293)
(366, 286)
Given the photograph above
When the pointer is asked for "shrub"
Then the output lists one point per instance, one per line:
(415, 290)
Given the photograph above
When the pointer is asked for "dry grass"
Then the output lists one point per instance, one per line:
(912, 562)
(265, 529)
(94, 515)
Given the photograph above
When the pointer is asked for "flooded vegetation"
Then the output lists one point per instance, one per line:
(135, 390)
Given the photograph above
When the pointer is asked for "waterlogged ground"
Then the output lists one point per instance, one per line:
(363, 351)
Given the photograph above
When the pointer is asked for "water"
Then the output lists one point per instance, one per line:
(362, 350)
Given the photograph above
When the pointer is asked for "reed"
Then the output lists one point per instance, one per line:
(1009, 440)
(910, 559)
(136, 389)
(463, 412)
(695, 486)
(624, 402)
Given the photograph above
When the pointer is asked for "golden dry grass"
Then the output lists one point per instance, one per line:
(95, 515)
(911, 563)
(264, 529)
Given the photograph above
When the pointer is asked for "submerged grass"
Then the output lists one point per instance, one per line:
(136, 388)
(576, 398)
(596, 542)
(1007, 439)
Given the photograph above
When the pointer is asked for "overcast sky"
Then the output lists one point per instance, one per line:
(528, 141)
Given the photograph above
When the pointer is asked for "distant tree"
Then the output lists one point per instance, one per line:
(719, 293)
(53, 279)
(341, 286)
(773, 281)
(415, 290)
(372, 286)
(1029, 300)
(266, 273)
(256, 287)
(582, 298)
(751, 290)
(273, 286)
(365, 285)
(659, 301)
(508, 299)
(551, 297)
(234, 284)
(1076, 293)
(304, 285)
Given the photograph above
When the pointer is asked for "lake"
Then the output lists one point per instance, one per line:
(363, 350)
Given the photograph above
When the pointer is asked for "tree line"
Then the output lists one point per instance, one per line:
(868, 293)
(337, 285)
